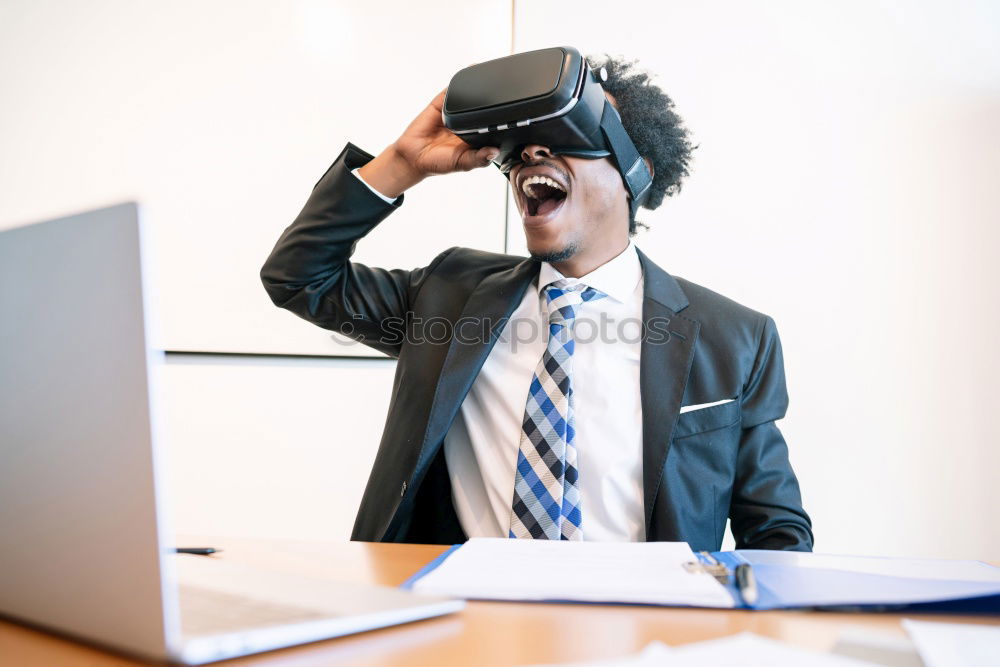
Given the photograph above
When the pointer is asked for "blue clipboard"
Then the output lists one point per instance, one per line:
(782, 586)
(790, 587)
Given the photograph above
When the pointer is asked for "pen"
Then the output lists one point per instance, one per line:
(747, 584)
(198, 551)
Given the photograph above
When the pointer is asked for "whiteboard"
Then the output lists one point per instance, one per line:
(245, 459)
(218, 118)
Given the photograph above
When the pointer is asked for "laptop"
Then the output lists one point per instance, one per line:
(87, 549)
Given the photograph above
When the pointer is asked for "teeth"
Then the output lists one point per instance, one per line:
(539, 180)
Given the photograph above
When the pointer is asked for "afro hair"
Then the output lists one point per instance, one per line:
(650, 120)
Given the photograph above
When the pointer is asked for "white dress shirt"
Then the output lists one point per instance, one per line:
(482, 444)
(387, 200)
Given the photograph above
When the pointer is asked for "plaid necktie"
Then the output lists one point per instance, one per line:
(546, 485)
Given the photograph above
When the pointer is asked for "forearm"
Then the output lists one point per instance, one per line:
(766, 509)
(317, 246)
(309, 272)
(390, 174)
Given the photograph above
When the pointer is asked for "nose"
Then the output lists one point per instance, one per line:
(533, 152)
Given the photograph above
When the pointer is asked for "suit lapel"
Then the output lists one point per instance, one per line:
(492, 301)
(665, 362)
(667, 352)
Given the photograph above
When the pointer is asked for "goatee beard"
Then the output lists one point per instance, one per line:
(556, 256)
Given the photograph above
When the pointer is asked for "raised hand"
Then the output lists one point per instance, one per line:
(424, 149)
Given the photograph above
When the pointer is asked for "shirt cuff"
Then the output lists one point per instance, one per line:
(387, 200)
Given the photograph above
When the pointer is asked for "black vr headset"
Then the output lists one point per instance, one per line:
(548, 97)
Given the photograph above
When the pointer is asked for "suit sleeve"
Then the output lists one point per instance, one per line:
(309, 272)
(766, 510)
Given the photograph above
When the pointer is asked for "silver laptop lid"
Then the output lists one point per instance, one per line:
(78, 518)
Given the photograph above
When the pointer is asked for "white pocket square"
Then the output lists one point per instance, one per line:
(702, 406)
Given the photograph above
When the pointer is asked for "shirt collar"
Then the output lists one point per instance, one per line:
(617, 277)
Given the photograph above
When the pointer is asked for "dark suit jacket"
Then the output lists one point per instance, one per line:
(699, 468)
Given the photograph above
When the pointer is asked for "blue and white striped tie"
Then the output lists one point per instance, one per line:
(547, 482)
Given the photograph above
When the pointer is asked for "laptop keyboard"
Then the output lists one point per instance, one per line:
(209, 612)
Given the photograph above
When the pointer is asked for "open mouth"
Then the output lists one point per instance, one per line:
(542, 195)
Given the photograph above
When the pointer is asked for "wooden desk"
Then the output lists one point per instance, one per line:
(484, 634)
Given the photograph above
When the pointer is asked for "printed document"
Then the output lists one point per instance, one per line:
(629, 572)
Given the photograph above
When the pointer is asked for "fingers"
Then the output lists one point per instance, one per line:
(471, 159)
(487, 154)
(438, 101)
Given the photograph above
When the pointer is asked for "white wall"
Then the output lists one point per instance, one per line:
(844, 184)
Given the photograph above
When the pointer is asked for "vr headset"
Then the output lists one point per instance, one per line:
(548, 97)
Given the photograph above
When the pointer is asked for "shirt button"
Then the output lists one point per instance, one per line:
(402, 490)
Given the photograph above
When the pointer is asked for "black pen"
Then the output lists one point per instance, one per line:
(197, 551)
(747, 584)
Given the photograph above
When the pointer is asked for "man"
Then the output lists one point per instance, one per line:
(661, 431)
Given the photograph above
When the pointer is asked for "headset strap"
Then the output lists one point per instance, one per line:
(631, 166)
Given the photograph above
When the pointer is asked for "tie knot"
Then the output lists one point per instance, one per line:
(564, 297)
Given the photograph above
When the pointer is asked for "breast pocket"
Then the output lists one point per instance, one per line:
(704, 420)
(701, 464)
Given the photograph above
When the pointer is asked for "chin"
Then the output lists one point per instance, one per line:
(553, 253)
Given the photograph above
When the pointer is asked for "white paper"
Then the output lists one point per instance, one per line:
(655, 653)
(742, 650)
(749, 650)
(632, 572)
(955, 644)
(914, 568)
